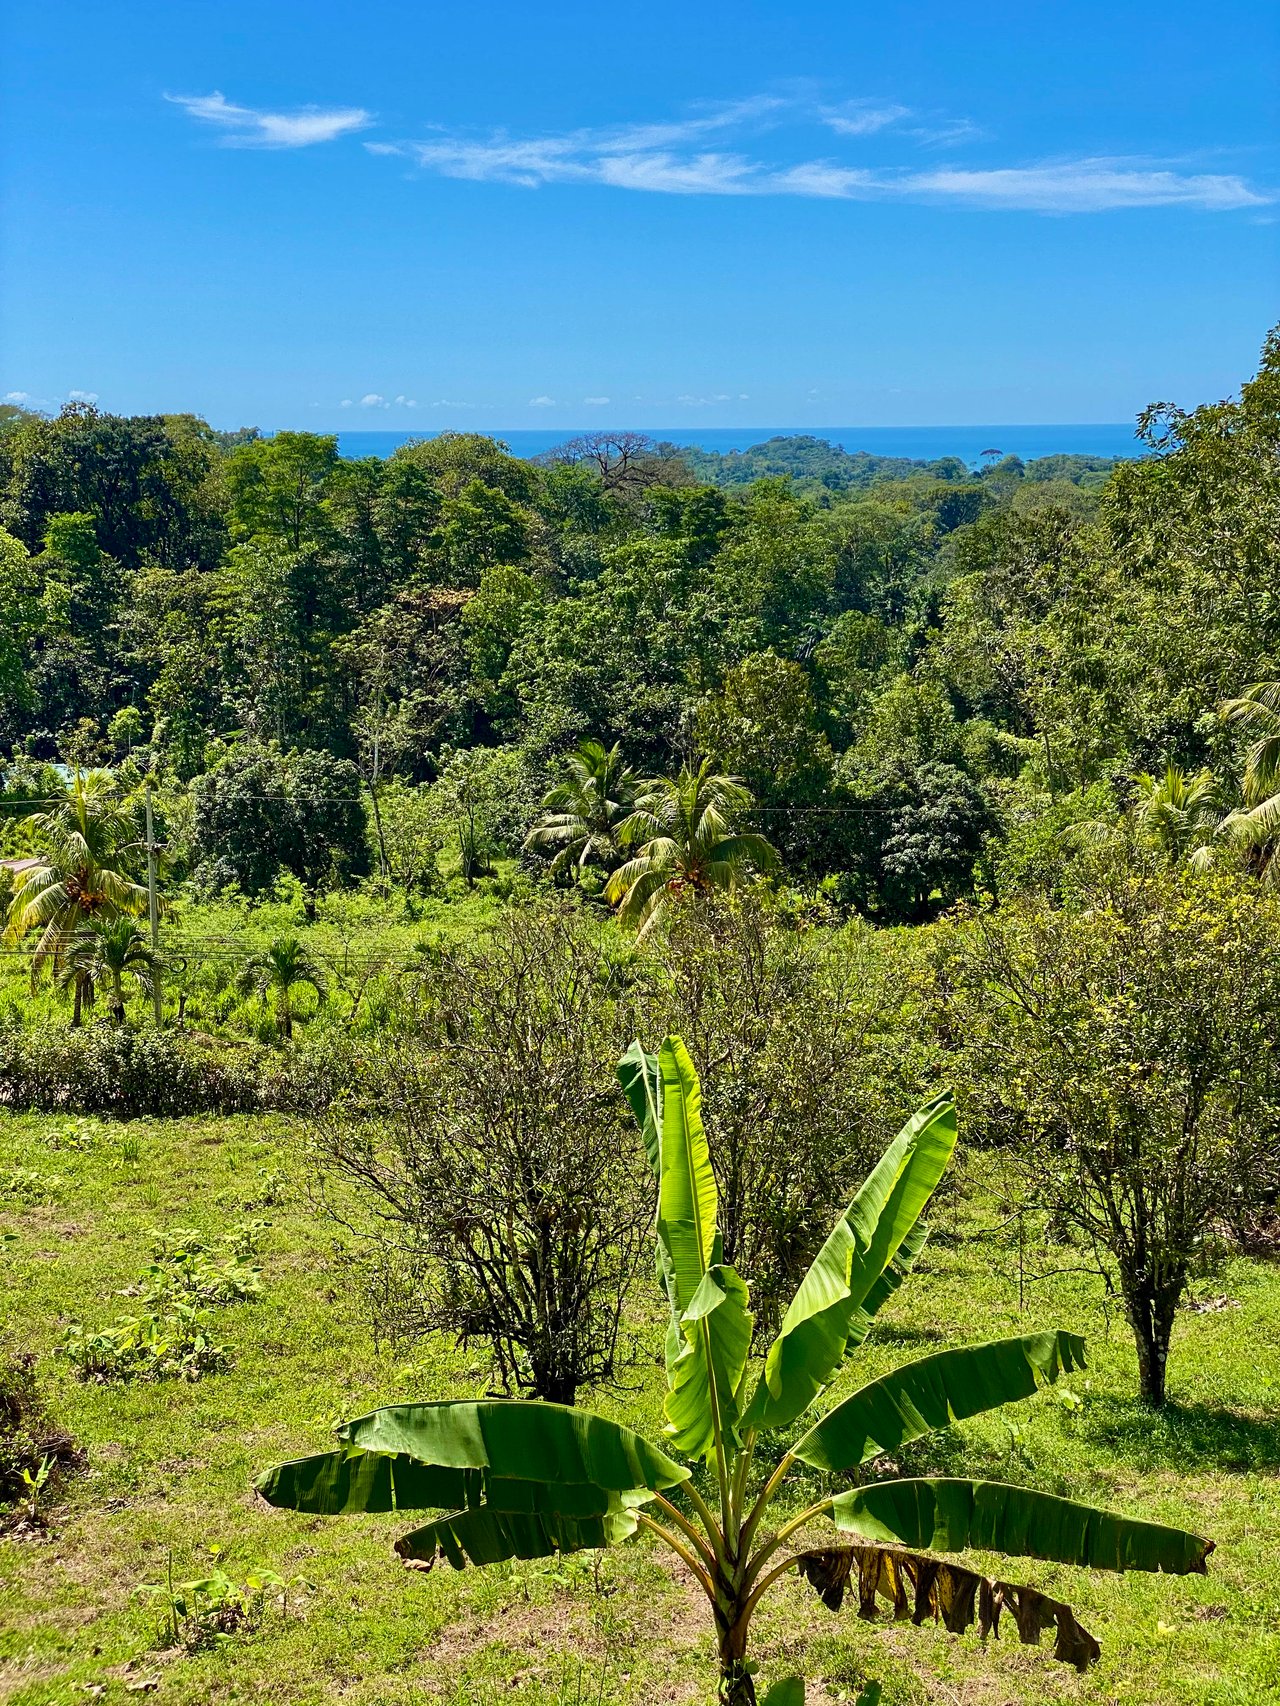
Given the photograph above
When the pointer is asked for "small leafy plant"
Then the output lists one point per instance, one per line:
(185, 1267)
(211, 1610)
(526, 1479)
(35, 1453)
(175, 1345)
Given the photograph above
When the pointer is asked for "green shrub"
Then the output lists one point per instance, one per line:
(170, 1346)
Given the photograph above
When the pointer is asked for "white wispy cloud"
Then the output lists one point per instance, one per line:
(674, 159)
(82, 396)
(863, 118)
(253, 127)
(18, 398)
(407, 402)
(373, 400)
(595, 402)
(542, 402)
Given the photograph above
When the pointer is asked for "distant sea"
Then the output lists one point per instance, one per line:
(923, 444)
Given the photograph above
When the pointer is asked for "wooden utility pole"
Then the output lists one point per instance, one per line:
(153, 908)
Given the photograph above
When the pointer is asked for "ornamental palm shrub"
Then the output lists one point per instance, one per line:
(284, 965)
(525, 1479)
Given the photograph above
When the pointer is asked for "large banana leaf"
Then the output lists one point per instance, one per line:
(342, 1483)
(933, 1392)
(432, 1456)
(899, 1266)
(847, 1272)
(687, 1200)
(918, 1587)
(489, 1536)
(642, 1085)
(715, 1335)
(948, 1516)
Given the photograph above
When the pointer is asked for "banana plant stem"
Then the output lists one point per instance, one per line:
(782, 1536)
(681, 1551)
(770, 1488)
(705, 1552)
(704, 1510)
(756, 1592)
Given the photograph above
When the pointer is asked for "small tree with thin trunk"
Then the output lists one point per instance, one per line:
(485, 1166)
(277, 970)
(1124, 1045)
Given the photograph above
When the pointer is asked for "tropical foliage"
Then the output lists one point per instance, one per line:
(526, 1480)
(684, 831)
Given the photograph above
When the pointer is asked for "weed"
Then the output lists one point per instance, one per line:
(170, 1346)
(212, 1610)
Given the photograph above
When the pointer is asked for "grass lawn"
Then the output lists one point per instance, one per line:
(170, 1467)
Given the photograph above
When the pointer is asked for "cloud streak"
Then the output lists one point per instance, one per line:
(252, 127)
(681, 158)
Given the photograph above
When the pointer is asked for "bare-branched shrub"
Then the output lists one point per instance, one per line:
(488, 1166)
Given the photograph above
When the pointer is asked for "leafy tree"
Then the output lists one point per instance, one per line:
(277, 488)
(326, 834)
(534, 1479)
(809, 1080)
(913, 842)
(508, 602)
(683, 829)
(1124, 1043)
(20, 622)
(284, 965)
(483, 795)
(762, 725)
(106, 950)
(149, 481)
(582, 816)
(81, 874)
(260, 811)
(413, 835)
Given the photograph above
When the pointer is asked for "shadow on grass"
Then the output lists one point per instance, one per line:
(890, 1333)
(1183, 1436)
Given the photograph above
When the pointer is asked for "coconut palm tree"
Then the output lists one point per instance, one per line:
(79, 876)
(1253, 829)
(683, 828)
(583, 813)
(1179, 813)
(277, 970)
(106, 951)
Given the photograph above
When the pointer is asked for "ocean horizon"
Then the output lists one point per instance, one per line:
(917, 444)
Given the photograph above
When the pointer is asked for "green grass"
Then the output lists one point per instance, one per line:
(170, 1470)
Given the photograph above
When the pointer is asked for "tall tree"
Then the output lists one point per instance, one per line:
(81, 874)
(686, 840)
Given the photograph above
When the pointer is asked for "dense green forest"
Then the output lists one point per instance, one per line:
(921, 675)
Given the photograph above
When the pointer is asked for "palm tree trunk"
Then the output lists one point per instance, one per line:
(286, 1016)
(78, 987)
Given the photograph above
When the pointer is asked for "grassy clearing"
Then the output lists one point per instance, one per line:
(171, 1465)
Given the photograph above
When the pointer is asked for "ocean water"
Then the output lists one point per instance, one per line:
(924, 444)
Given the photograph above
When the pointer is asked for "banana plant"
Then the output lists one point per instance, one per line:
(525, 1479)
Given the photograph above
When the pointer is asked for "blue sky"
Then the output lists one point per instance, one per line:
(417, 215)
